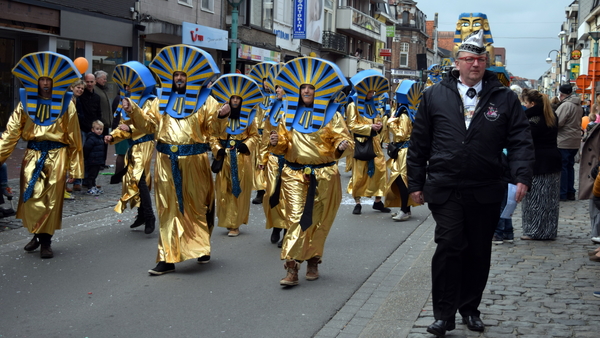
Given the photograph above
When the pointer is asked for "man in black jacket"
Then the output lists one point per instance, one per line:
(454, 164)
(88, 111)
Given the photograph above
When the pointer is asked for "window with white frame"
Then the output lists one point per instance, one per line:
(208, 5)
(404, 54)
(188, 3)
(261, 14)
(283, 11)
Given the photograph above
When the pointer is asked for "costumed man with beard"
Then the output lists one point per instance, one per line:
(312, 137)
(454, 164)
(367, 124)
(260, 73)
(408, 95)
(186, 119)
(136, 82)
(233, 152)
(47, 119)
(273, 164)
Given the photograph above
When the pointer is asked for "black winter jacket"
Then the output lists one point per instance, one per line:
(444, 155)
(88, 110)
(547, 156)
(93, 149)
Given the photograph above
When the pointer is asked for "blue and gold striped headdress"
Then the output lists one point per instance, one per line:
(364, 82)
(327, 79)
(408, 95)
(243, 86)
(63, 73)
(260, 72)
(198, 66)
(140, 81)
(435, 74)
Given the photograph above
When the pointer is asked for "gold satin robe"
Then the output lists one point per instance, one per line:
(276, 216)
(231, 211)
(400, 129)
(259, 181)
(139, 156)
(361, 185)
(42, 213)
(185, 236)
(315, 148)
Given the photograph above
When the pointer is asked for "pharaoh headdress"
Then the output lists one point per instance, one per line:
(327, 79)
(243, 86)
(140, 81)
(198, 66)
(259, 73)
(408, 95)
(434, 74)
(364, 82)
(63, 73)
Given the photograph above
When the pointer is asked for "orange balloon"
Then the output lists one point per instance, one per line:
(82, 64)
(584, 122)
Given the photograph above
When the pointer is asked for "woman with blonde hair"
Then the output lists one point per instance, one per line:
(541, 204)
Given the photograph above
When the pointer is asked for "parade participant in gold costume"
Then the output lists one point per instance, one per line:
(47, 119)
(260, 73)
(184, 187)
(366, 122)
(234, 148)
(408, 95)
(312, 137)
(273, 164)
(136, 82)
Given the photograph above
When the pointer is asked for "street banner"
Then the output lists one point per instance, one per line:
(299, 19)
(204, 37)
(390, 31)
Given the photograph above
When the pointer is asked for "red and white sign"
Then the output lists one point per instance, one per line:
(385, 52)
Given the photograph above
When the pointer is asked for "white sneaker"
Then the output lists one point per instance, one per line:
(401, 216)
(93, 191)
(596, 240)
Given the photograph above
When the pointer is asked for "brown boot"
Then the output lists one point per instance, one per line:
(312, 270)
(33, 244)
(46, 249)
(291, 278)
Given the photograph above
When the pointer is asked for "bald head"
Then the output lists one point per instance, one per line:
(90, 82)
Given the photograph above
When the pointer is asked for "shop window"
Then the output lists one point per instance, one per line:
(7, 61)
(106, 58)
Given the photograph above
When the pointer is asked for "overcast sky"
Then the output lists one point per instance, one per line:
(528, 29)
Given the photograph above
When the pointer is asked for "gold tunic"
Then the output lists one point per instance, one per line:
(400, 128)
(231, 211)
(259, 180)
(275, 217)
(315, 148)
(42, 213)
(139, 156)
(185, 236)
(361, 184)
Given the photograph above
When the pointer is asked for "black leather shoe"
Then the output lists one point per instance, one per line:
(46, 251)
(379, 206)
(138, 221)
(33, 244)
(439, 327)
(474, 323)
(204, 259)
(357, 209)
(259, 197)
(162, 268)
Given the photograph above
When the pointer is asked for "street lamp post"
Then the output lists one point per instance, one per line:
(235, 4)
(558, 58)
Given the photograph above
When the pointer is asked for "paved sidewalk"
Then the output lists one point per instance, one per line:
(535, 288)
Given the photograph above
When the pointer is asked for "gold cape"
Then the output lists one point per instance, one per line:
(275, 217)
(139, 156)
(231, 211)
(360, 183)
(185, 236)
(42, 213)
(400, 128)
(259, 180)
(315, 148)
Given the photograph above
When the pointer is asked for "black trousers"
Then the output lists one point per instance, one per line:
(461, 263)
(91, 173)
(145, 211)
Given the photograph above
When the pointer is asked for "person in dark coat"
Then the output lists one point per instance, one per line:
(93, 157)
(454, 164)
(88, 111)
(541, 205)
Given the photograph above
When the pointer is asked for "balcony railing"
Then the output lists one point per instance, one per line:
(335, 42)
(364, 20)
